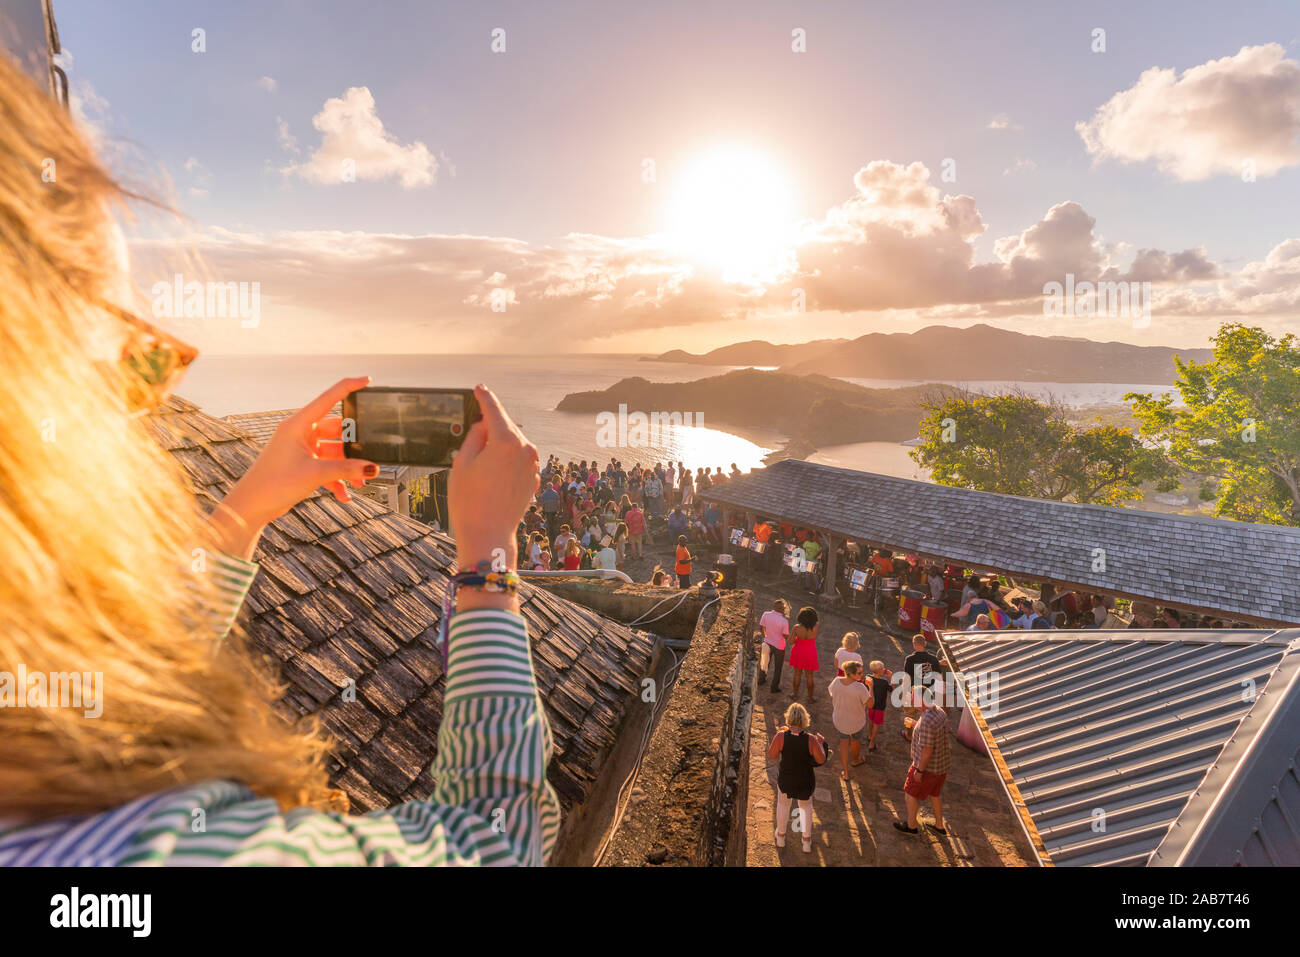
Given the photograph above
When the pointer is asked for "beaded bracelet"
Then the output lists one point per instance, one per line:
(483, 577)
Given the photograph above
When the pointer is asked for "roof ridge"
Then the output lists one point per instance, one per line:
(1107, 509)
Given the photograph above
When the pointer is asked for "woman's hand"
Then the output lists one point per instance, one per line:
(492, 480)
(304, 454)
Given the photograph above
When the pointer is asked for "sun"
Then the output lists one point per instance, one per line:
(732, 208)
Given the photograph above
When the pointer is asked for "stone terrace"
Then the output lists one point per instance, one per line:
(852, 821)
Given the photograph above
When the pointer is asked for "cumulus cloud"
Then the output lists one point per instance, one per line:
(897, 246)
(1021, 164)
(267, 83)
(1155, 265)
(1003, 122)
(352, 133)
(901, 244)
(1211, 120)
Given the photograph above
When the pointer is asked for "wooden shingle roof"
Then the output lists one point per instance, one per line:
(1242, 570)
(354, 591)
(259, 425)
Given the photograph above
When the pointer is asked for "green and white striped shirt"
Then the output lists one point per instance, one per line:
(491, 804)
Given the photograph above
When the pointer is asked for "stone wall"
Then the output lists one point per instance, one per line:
(688, 805)
(626, 602)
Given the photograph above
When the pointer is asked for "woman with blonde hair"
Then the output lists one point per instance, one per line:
(186, 725)
(799, 750)
(847, 651)
(850, 699)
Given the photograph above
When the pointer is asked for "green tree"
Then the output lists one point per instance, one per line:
(1238, 423)
(1017, 445)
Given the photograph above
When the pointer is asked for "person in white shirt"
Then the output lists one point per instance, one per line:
(847, 651)
(776, 629)
(1025, 613)
(535, 542)
(850, 699)
(606, 557)
(936, 584)
(562, 540)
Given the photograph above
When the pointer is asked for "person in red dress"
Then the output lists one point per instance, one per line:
(803, 657)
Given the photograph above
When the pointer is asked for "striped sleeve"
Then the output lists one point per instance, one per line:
(232, 577)
(495, 743)
(491, 803)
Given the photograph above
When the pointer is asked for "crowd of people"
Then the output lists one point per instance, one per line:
(976, 603)
(861, 694)
(586, 515)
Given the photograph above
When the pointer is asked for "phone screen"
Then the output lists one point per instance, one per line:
(407, 426)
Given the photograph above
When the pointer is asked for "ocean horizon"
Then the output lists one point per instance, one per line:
(531, 386)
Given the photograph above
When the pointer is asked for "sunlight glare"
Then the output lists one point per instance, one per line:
(732, 208)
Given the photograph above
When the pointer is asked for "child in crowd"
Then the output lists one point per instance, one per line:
(879, 682)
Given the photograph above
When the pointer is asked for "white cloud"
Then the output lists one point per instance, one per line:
(267, 83)
(1211, 120)
(1003, 122)
(1021, 164)
(286, 139)
(352, 131)
(90, 110)
(898, 247)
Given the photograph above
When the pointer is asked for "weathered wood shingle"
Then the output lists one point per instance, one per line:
(353, 592)
(1237, 568)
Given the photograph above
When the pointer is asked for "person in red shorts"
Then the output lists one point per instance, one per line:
(879, 683)
(931, 759)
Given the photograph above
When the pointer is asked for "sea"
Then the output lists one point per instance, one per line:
(531, 386)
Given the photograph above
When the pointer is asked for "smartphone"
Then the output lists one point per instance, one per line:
(391, 426)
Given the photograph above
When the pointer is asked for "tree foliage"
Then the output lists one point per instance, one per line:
(1017, 445)
(1239, 423)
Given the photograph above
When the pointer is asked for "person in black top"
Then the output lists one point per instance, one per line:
(800, 751)
(921, 663)
(879, 683)
(921, 667)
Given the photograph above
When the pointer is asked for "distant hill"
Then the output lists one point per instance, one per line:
(815, 408)
(946, 353)
(756, 352)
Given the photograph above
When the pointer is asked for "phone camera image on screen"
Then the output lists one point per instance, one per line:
(417, 427)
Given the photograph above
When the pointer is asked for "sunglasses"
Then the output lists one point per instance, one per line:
(153, 361)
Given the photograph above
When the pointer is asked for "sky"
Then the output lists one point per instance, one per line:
(631, 177)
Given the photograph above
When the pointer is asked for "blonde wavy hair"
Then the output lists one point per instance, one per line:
(97, 525)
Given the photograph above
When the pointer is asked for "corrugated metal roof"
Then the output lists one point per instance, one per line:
(1247, 810)
(1243, 570)
(1113, 739)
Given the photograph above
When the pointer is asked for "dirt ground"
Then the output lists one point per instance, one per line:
(852, 820)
